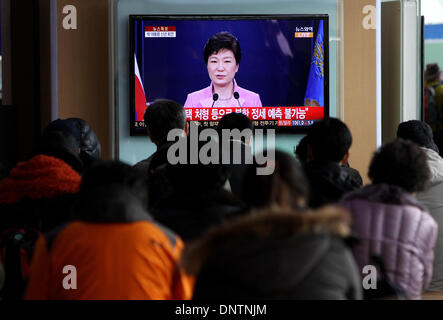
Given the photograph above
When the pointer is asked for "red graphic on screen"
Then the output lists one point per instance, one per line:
(140, 97)
(160, 28)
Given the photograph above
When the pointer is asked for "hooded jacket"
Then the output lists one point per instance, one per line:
(276, 255)
(90, 147)
(37, 196)
(432, 199)
(392, 225)
(117, 250)
(329, 181)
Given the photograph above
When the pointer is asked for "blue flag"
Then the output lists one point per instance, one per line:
(315, 90)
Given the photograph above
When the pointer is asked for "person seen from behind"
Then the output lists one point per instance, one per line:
(162, 116)
(420, 133)
(276, 253)
(328, 144)
(117, 249)
(433, 102)
(195, 195)
(36, 197)
(237, 150)
(287, 187)
(395, 230)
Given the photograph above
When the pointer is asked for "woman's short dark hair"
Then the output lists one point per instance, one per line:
(265, 190)
(301, 151)
(222, 40)
(400, 163)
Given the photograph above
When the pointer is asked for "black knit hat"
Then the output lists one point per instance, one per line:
(417, 131)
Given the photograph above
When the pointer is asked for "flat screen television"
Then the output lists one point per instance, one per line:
(281, 81)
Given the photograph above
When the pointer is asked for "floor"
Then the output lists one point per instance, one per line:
(432, 295)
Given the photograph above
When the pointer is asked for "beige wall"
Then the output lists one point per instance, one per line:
(83, 76)
(360, 84)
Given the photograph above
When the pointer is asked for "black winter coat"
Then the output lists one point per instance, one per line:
(328, 182)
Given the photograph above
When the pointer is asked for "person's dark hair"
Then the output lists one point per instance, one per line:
(419, 132)
(222, 40)
(329, 139)
(103, 174)
(288, 179)
(61, 139)
(192, 177)
(432, 72)
(162, 116)
(90, 147)
(235, 121)
(301, 151)
(400, 163)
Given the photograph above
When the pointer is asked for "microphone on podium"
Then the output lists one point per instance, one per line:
(237, 97)
(215, 98)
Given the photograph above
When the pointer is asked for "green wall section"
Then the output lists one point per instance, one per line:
(434, 52)
(134, 149)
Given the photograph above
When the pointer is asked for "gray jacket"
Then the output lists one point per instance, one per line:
(432, 199)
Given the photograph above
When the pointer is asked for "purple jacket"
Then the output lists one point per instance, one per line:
(203, 99)
(392, 225)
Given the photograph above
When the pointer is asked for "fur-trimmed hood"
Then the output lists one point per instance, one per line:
(270, 254)
(264, 224)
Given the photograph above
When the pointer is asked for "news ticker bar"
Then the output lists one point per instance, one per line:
(284, 115)
(256, 123)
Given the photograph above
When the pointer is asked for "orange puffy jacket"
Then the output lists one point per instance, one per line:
(130, 257)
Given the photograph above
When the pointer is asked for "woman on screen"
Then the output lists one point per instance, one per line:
(222, 56)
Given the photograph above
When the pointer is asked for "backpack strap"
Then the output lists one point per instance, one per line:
(16, 246)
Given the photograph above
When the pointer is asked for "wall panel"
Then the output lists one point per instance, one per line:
(83, 76)
(360, 84)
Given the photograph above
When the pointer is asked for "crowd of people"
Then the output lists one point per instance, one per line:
(76, 227)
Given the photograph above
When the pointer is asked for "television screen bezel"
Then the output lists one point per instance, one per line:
(285, 130)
